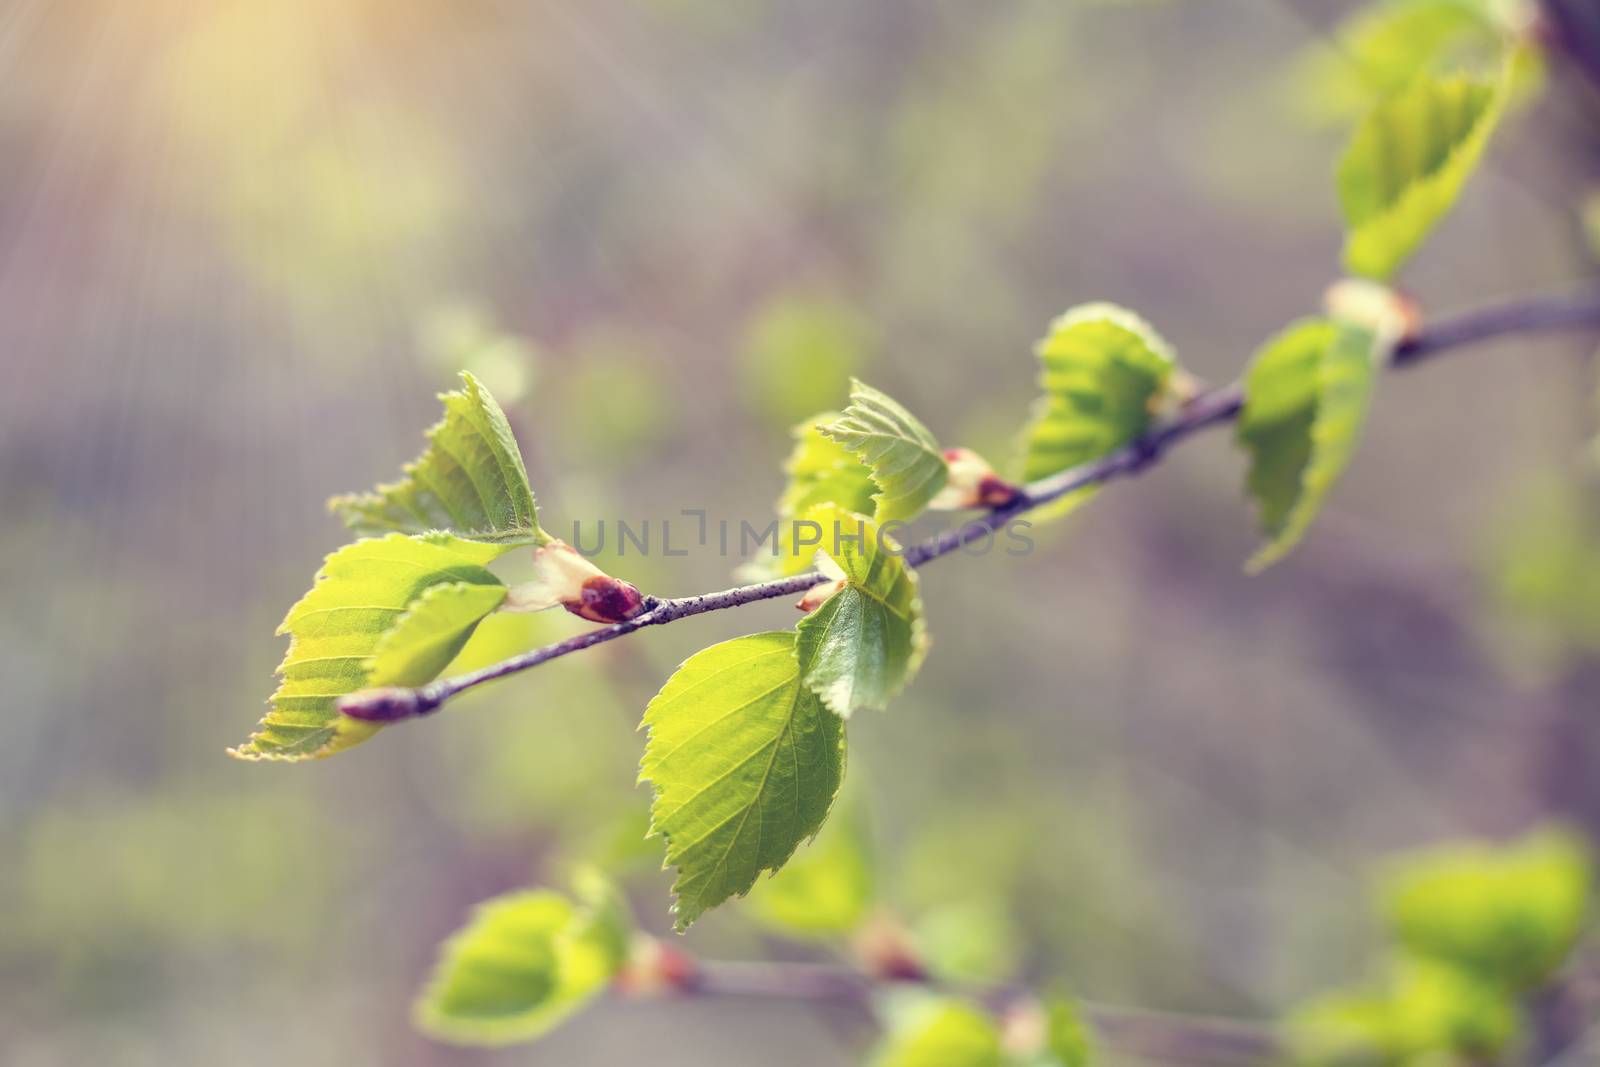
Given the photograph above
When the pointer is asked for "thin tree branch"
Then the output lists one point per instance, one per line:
(1138, 1031)
(1213, 408)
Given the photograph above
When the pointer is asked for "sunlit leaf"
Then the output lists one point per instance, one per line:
(1406, 166)
(824, 891)
(866, 641)
(470, 481)
(1306, 400)
(820, 471)
(370, 599)
(524, 963)
(424, 640)
(930, 1031)
(745, 762)
(1509, 914)
(1102, 370)
(903, 456)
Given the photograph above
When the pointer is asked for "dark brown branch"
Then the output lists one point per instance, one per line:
(1213, 408)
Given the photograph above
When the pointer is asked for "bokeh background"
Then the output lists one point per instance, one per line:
(244, 242)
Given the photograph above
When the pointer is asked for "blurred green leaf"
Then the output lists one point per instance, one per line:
(1509, 914)
(824, 891)
(799, 353)
(745, 762)
(1407, 163)
(524, 963)
(1425, 1010)
(1102, 370)
(1068, 1040)
(1383, 47)
(864, 643)
(470, 481)
(903, 456)
(363, 593)
(932, 1031)
(970, 940)
(1306, 400)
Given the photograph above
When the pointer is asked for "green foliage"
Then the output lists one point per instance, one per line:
(470, 481)
(866, 641)
(904, 458)
(383, 611)
(524, 963)
(824, 891)
(933, 1031)
(745, 762)
(1509, 915)
(1306, 400)
(1422, 1010)
(1406, 166)
(1068, 1042)
(1103, 371)
(1385, 46)
(1474, 927)
(1546, 567)
(821, 471)
(968, 940)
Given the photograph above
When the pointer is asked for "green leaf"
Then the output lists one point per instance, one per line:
(820, 471)
(866, 641)
(745, 762)
(1406, 166)
(930, 1031)
(1385, 46)
(381, 611)
(1068, 1041)
(525, 963)
(823, 892)
(470, 481)
(424, 640)
(1306, 400)
(903, 456)
(1509, 914)
(1102, 370)
(1425, 1009)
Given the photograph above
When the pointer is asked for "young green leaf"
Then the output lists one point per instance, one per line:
(820, 471)
(470, 481)
(1509, 914)
(1068, 1041)
(382, 611)
(745, 762)
(1385, 45)
(1407, 163)
(932, 1031)
(1306, 400)
(903, 456)
(866, 641)
(1425, 1011)
(1103, 371)
(524, 963)
(822, 892)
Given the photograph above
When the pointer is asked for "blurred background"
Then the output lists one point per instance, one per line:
(244, 242)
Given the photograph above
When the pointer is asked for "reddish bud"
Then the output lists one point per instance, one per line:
(884, 948)
(655, 968)
(563, 577)
(606, 599)
(972, 483)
